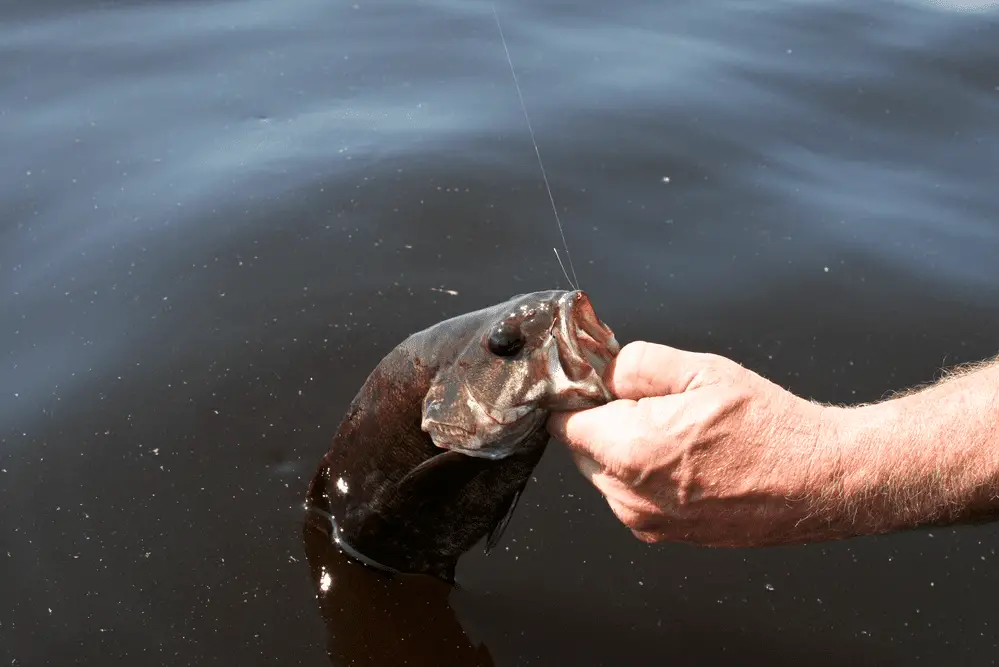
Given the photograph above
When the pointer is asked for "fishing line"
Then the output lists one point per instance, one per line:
(564, 272)
(537, 151)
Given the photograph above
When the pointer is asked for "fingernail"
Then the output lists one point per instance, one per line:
(586, 465)
(647, 536)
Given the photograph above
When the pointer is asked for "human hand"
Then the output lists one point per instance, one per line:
(700, 449)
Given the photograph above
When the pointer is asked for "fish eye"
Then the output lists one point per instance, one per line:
(506, 340)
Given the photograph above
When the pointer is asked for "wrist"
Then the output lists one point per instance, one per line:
(874, 463)
(845, 463)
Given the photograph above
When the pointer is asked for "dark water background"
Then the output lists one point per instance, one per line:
(215, 217)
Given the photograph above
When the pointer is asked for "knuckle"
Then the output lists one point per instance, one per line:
(714, 367)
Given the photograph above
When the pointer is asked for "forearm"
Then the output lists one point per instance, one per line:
(931, 456)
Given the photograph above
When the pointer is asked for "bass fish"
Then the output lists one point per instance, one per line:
(441, 439)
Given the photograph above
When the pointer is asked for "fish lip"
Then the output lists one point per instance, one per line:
(490, 454)
(446, 430)
(506, 417)
(585, 344)
(495, 435)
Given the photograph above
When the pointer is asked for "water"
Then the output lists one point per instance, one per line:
(216, 217)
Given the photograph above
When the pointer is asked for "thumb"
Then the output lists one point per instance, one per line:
(648, 369)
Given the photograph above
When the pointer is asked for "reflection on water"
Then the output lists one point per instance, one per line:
(377, 619)
(217, 217)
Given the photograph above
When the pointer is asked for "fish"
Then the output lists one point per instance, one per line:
(441, 439)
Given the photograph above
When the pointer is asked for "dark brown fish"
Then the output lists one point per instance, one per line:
(437, 446)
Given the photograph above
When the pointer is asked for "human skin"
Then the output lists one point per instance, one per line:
(700, 449)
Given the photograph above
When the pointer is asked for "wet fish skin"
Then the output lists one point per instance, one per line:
(444, 434)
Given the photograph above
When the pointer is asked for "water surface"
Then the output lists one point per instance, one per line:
(216, 217)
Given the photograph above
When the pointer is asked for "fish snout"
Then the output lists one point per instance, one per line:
(591, 339)
(585, 346)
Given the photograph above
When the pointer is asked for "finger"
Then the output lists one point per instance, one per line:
(631, 508)
(587, 466)
(608, 485)
(644, 369)
(635, 520)
(596, 432)
(620, 435)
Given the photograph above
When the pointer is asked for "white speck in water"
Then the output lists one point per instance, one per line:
(341, 486)
(325, 581)
(826, 269)
(665, 179)
(769, 587)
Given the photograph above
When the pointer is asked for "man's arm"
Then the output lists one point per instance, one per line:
(929, 456)
(700, 449)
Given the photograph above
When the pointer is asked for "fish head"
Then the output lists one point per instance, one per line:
(524, 358)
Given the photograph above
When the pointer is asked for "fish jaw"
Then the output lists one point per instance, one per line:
(484, 433)
(584, 346)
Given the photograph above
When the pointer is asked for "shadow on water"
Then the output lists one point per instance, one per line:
(374, 618)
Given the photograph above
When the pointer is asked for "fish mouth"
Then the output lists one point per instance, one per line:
(484, 453)
(585, 346)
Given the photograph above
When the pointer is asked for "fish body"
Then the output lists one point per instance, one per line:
(444, 434)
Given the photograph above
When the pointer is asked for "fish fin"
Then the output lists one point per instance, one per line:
(496, 532)
(412, 485)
